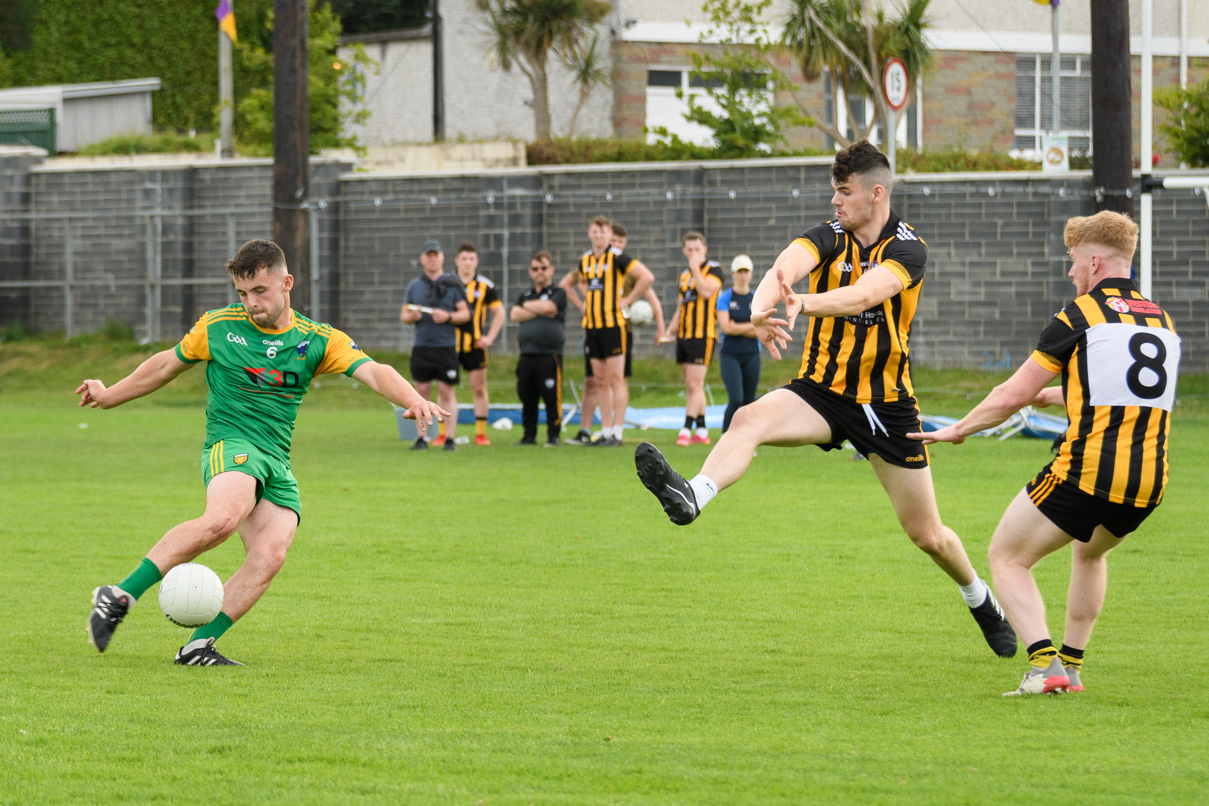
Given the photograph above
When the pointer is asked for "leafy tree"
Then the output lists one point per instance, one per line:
(853, 43)
(525, 33)
(176, 41)
(741, 81)
(1186, 129)
(16, 23)
(366, 16)
(330, 82)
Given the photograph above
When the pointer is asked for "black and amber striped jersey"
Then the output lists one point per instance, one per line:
(698, 314)
(605, 276)
(1119, 356)
(863, 356)
(481, 297)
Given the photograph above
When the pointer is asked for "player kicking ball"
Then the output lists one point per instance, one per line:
(865, 269)
(1118, 355)
(260, 358)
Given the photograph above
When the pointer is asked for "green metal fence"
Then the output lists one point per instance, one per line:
(28, 127)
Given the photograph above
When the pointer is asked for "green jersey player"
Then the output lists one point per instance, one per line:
(260, 358)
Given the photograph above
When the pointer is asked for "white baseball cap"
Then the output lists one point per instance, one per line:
(741, 263)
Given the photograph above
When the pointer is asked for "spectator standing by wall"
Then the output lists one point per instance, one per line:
(435, 303)
(541, 314)
(739, 357)
(481, 299)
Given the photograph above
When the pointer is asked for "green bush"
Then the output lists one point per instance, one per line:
(1186, 128)
(159, 143)
(956, 160)
(565, 151)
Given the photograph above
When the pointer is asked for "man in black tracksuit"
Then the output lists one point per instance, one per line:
(541, 313)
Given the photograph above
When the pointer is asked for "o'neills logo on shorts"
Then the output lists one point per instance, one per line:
(914, 459)
(240, 458)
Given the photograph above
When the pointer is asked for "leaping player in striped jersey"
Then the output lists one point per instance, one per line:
(865, 269)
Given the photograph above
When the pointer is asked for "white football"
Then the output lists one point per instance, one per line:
(191, 595)
(641, 313)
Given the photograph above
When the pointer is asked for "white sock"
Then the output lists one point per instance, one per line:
(684, 432)
(975, 593)
(617, 431)
(703, 432)
(704, 489)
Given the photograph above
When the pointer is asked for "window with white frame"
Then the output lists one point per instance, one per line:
(664, 109)
(864, 110)
(1034, 101)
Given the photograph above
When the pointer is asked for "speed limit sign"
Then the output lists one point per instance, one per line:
(894, 82)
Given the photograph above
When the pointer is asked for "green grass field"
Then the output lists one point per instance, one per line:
(522, 625)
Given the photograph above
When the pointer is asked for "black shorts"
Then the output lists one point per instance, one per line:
(629, 356)
(694, 351)
(605, 342)
(1078, 513)
(879, 428)
(475, 359)
(434, 364)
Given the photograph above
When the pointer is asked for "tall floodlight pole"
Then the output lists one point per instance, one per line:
(1055, 78)
(291, 143)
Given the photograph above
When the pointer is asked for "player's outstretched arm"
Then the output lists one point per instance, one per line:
(150, 375)
(642, 281)
(1004, 400)
(656, 306)
(872, 288)
(1049, 397)
(386, 381)
(570, 284)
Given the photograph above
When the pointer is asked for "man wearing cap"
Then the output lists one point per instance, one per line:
(435, 303)
(541, 313)
(739, 356)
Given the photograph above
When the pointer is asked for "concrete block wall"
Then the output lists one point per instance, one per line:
(997, 265)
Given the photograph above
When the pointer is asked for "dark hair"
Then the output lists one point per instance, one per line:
(467, 247)
(254, 256)
(619, 230)
(863, 160)
(542, 255)
(601, 221)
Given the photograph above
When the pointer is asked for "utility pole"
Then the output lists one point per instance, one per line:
(291, 144)
(1111, 120)
(438, 75)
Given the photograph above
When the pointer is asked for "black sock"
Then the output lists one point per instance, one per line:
(701, 421)
(1041, 653)
(688, 421)
(1071, 656)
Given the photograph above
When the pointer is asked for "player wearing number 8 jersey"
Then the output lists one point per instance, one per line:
(1118, 356)
(260, 358)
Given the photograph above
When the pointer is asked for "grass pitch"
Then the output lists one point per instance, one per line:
(522, 625)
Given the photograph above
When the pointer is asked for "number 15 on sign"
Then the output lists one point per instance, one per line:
(894, 82)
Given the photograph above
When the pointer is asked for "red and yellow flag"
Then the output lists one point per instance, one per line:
(226, 19)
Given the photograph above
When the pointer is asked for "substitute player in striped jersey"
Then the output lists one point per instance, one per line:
(476, 336)
(865, 271)
(260, 358)
(694, 325)
(603, 271)
(1118, 356)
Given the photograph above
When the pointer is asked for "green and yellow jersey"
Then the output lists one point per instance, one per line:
(257, 377)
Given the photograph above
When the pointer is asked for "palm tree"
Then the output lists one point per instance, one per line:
(525, 32)
(587, 64)
(839, 36)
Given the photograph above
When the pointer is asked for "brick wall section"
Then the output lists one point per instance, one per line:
(968, 101)
(632, 60)
(14, 232)
(996, 269)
